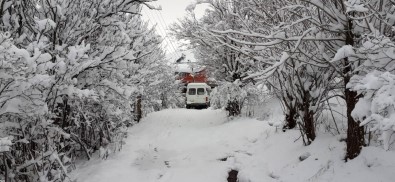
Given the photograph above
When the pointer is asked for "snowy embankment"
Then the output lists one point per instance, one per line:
(201, 145)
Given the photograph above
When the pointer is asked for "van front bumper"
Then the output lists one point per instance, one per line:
(198, 104)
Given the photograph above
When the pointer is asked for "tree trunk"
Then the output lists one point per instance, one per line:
(6, 168)
(290, 119)
(355, 133)
(308, 118)
(65, 112)
(233, 108)
(138, 110)
(164, 101)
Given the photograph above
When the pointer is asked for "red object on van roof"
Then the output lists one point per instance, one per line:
(200, 76)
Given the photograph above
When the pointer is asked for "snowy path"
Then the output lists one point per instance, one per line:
(178, 145)
(186, 146)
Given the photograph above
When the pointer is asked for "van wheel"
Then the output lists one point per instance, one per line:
(188, 106)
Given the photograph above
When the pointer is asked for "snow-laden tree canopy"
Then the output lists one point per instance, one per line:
(70, 74)
(309, 52)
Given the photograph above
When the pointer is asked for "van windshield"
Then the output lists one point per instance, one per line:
(200, 91)
(192, 91)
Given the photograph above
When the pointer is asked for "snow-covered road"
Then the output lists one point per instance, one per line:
(178, 145)
(191, 146)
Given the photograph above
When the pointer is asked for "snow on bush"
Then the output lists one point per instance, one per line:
(228, 96)
(5, 144)
(376, 84)
(67, 83)
(377, 107)
(355, 6)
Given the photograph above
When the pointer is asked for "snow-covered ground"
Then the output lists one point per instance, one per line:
(183, 145)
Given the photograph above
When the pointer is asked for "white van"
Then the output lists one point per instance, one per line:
(198, 95)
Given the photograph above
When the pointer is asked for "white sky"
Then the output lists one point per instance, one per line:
(172, 10)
